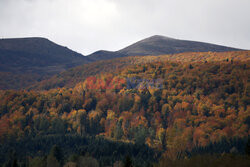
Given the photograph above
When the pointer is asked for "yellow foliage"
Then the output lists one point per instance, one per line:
(110, 115)
(93, 114)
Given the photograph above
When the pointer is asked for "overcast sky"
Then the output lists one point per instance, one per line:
(90, 25)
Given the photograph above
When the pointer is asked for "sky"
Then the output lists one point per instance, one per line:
(90, 25)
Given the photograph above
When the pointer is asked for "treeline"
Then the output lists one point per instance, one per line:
(208, 160)
(93, 153)
(215, 154)
(106, 152)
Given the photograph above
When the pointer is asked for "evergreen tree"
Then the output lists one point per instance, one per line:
(128, 162)
(247, 149)
(14, 164)
(57, 153)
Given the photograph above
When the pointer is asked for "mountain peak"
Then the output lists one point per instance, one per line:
(160, 37)
(28, 44)
(155, 38)
(40, 45)
(25, 39)
(37, 57)
(159, 45)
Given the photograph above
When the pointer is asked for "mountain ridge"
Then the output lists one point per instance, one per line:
(33, 59)
(32, 45)
(160, 45)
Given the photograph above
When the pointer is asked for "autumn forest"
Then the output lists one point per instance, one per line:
(181, 109)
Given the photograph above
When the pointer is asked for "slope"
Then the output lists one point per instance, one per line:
(75, 75)
(171, 106)
(24, 61)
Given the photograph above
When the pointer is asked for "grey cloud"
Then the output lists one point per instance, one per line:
(90, 25)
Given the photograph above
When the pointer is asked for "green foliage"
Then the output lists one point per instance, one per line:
(105, 151)
(52, 161)
(140, 134)
(38, 162)
(56, 152)
(207, 160)
(118, 132)
(87, 162)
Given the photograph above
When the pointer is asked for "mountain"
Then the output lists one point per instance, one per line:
(26, 61)
(41, 52)
(160, 45)
(105, 55)
(33, 59)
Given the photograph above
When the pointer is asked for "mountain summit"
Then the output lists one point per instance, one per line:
(33, 59)
(37, 51)
(160, 45)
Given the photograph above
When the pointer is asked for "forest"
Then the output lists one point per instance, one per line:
(180, 110)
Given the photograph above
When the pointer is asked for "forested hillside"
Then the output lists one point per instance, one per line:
(78, 74)
(172, 106)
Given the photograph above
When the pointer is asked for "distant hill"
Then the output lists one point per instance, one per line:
(160, 45)
(24, 61)
(105, 55)
(78, 74)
